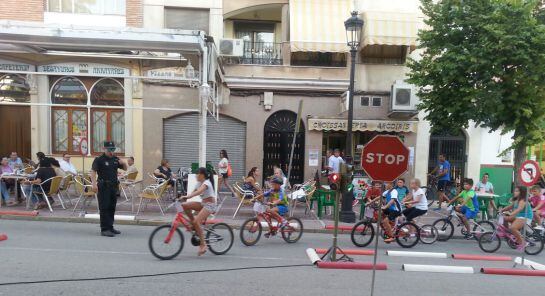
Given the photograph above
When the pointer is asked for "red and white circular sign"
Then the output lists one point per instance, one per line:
(83, 147)
(385, 158)
(529, 173)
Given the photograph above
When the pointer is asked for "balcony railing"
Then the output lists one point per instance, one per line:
(259, 53)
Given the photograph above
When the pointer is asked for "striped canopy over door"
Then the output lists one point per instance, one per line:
(318, 25)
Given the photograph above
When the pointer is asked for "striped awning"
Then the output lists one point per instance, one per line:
(388, 28)
(318, 25)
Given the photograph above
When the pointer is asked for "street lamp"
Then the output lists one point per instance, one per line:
(353, 26)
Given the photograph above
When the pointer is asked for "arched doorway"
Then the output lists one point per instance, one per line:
(454, 148)
(277, 141)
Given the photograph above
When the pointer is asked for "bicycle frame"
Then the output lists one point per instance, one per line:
(178, 219)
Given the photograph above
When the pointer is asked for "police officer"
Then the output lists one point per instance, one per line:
(104, 179)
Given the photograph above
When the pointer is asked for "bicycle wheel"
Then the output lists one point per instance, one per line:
(445, 229)
(250, 232)
(407, 235)
(362, 234)
(511, 243)
(219, 238)
(293, 231)
(162, 249)
(431, 194)
(489, 242)
(482, 227)
(535, 244)
(428, 234)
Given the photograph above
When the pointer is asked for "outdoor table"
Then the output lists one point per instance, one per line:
(485, 197)
(17, 178)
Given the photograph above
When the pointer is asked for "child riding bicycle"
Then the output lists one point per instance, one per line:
(468, 207)
(277, 199)
(521, 214)
(391, 210)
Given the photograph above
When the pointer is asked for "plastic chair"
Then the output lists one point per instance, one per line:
(54, 187)
(153, 193)
(127, 184)
(245, 196)
(326, 198)
(502, 201)
(309, 188)
(85, 191)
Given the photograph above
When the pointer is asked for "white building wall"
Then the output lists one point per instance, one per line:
(494, 143)
(80, 19)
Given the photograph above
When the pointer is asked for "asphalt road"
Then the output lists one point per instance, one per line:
(38, 251)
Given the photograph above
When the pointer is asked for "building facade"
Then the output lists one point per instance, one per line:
(271, 55)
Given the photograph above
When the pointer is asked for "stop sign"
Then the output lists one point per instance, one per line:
(385, 158)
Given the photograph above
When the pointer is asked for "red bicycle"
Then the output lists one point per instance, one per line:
(167, 241)
(251, 229)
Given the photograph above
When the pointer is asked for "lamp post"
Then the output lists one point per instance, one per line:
(353, 26)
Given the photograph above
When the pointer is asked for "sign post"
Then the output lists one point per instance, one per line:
(528, 175)
(384, 158)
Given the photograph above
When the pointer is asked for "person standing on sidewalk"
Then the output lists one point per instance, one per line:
(104, 180)
(224, 169)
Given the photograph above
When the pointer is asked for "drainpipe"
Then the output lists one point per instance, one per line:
(203, 98)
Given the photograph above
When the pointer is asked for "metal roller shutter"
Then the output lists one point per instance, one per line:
(181, 142)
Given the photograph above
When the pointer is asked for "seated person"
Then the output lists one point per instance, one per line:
(164, 172)
(8, 184)
(276, 197)
(44, 172)
(537, 200)
(250, 182)
(486, 186)
(416, 202)
(131, 169)
(466, 209)
(391, 210)
(521, 214)
(374, 193)
(15, 161)
(67, 166)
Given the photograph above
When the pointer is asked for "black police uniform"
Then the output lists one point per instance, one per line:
(108, 184)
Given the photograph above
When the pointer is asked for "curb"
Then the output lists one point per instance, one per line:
(145, 222)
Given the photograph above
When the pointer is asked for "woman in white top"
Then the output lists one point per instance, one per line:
(223, 167)
(207, 206)
(416, 202)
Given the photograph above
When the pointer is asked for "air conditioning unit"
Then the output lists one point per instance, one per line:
(403, 97)
(231, 47)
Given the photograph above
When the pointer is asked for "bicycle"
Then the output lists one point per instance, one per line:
(446, 227)
(251, 229)
(407, 234)
(490, 242)
(432, 191)
(218, 236)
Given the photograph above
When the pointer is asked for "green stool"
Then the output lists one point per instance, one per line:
(325, 198)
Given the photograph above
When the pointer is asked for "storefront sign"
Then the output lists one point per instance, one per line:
(362, 125)
(313, 157)
(85, 68)
(15, 66)
(171, 73)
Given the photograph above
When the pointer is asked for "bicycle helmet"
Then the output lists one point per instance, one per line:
(277, 180)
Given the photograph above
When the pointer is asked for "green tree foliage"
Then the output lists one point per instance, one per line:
(483, 62)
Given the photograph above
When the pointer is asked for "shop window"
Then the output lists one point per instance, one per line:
(14, 88)
(107, 124)
(384, 54)
(320, 59)
(187, 18)
(70, 123)
(365, 101)
(98, 7)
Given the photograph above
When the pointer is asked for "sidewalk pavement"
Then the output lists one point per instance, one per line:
(150, 215)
